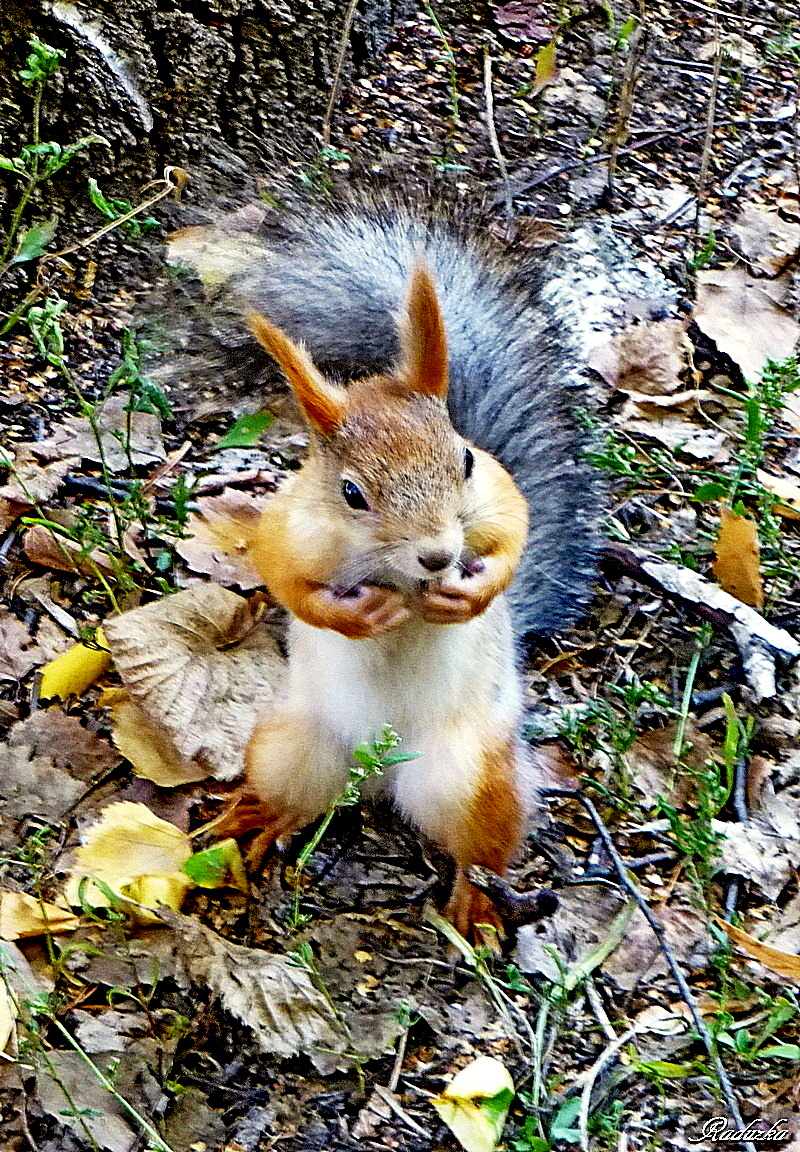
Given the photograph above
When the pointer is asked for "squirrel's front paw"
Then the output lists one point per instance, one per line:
(458, 599)
(367, 611)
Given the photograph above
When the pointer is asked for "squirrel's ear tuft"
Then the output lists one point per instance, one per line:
(423, 366)
(324, 404)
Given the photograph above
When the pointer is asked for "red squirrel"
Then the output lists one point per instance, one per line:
(395, 544)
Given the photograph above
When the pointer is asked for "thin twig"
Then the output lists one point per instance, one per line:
(493, 139)
(337, 72)
(591, 1076)
(659, 933)
(708, 141)
(636, 49)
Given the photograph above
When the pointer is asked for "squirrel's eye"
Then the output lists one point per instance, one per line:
(354, 496)
(469, 464)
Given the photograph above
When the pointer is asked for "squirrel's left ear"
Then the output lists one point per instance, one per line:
(323, 403)
(423, 341)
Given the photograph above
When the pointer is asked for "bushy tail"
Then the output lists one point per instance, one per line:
(337, 284)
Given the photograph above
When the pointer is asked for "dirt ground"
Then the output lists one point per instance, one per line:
(322, 1005)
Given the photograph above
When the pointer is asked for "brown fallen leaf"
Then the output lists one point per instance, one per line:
(29, 483)
(203, 668)
(758, 852)
(60, 553)
(737, 567)
(766, 239)
(219, 538)
(272, 997)
(18, 650)
(744, 316)
(784, 963)
(75, 438)
(651, 357)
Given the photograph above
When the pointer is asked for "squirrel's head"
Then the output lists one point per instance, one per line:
(390, 462)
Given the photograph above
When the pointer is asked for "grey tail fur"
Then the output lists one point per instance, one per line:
(337, 283)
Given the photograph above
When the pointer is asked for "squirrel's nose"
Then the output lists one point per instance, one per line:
(435, 561)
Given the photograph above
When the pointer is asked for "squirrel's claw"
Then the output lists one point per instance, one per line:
(368, 611)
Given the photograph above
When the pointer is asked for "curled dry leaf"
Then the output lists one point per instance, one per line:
(22, 915)
(273, 997)
(75, 670)
(759, 853)
(216, 255)
(737, 567)
(651, 357)
(784, 963)
(219, 538)
(137, 855)
(745, 318)
(203, 669)
(42, 546)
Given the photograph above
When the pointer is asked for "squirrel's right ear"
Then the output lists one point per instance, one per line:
(324, 404)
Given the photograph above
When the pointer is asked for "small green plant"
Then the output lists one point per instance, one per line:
(705, 255)
(449, 55)
(116, 210)
(37, 161)
(610, 727)
(751, 1046)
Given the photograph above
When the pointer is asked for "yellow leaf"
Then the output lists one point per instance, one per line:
(737, 566)
(23, 915)
(784, 963)
(475, 1104)
(137, 855)
(546, 70)
(75, 670)
(148, 747)
(8, 1015)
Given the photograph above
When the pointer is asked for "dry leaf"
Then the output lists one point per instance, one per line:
(147, 746)
(77, 1099)
(137, 855)
(737, 567)
(23, 915)
(784, 963)
(766, 239)
(274, 998)
(786, 493)
(203, 669)
(546, 71)
(756, 851)
(42, 546)
(651, 357)
(28, 484)
(75, 438)
(75, 670)
(219, 538)
(18, 650)
(522, 20)
(744, 317)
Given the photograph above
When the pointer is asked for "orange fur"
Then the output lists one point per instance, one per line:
(323, 403)
(423, 338)
(487, 834)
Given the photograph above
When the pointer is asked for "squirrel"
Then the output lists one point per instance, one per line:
(433, 377)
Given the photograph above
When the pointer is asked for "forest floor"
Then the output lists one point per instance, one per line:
(320, 1006)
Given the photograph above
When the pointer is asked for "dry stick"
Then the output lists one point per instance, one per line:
(337, 72)
(637, 45)
(591, 1076)
(660, 935)
(708, 142)
(492, 130)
